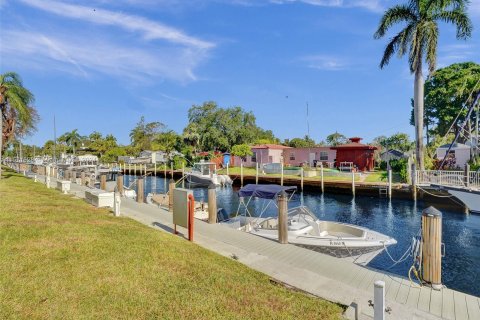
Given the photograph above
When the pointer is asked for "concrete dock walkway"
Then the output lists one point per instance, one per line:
(318, 274)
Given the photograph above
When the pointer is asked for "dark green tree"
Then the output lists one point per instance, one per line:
(336, 139)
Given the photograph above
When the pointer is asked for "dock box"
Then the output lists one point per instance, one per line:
(63, 185)
(99, 198)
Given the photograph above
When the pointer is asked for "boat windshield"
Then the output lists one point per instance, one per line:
(204, 168)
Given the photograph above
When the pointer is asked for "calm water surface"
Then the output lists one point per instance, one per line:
(400, 219)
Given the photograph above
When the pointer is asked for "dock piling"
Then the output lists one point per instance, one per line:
(171, 186)
(353, 183)
(171, 168)
(281, 176)
(301, 179)
(390, 183)
(432, 247)
(120, 184)
(321, 177)
(256, 172)
(140, 192)
(212, 204)
(241, 174)
(82, 178)
(103, 181)
(183, 174)
(282, 218)
(467, 175)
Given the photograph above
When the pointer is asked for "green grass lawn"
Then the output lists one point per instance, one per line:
(61, 258)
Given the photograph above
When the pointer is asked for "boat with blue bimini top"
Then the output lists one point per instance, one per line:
(341, 240)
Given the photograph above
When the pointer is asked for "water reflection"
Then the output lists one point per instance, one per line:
(400, 219)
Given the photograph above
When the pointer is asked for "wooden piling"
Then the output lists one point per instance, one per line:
(171, 186)
(321, 177)
(103, 181)
(82, 178)
(414, 182)
(432, 247)
(281, 175)
(467, 175)
(140, 190)
(301, 179)
(241, 174)
(390, 183)
(135, 169)
(353, 183)
(282, 218)
(212, 204)
(120, 184)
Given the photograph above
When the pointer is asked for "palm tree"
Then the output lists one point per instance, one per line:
(419, 38)
(15, 109)
(73, 139)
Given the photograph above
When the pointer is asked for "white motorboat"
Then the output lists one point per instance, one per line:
(341, 240)
(205, 174)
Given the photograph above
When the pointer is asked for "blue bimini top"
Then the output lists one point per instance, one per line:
(264, 191)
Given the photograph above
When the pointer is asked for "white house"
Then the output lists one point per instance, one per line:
(460, 153)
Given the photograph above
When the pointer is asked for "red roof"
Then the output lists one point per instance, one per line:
(270, 146)
(355, 144)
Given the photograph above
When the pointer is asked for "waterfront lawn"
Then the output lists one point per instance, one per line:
(61, 258)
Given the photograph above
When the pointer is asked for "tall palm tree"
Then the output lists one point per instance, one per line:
(419, 37)
(73, 139)
(15, 109)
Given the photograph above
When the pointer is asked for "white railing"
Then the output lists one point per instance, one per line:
(448, 178)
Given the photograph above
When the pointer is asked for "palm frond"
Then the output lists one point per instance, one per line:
(399, 13)
(430, 43)
(460, 19)
(390, 49)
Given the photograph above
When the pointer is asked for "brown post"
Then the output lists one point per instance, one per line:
(82, 178)
(140, 192)
(212, 204)
(282, 218)
(467, 175)
(103, 181)
(171, 186)
(120, 184)
(432, 247)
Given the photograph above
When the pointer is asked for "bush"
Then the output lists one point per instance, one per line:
(398, 166)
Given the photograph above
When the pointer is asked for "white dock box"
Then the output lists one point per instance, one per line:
(99, 198)
(63, 185)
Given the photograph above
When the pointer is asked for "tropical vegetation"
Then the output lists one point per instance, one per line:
(18, 116)
(419, 38)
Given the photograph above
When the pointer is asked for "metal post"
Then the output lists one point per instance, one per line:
(432, 247)
(353, 183)
(301, 179)
(256, 172)
(379, 300)
(282, 218)
(171, 186)
(120, 184)
(212, 203)
(241, 174)
(390, 183)
(140, 192)
(155, 169)
(227, 169)
(103, 181)
(321, 177)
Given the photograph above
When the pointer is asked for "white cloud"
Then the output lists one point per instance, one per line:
(372, 5)
(84, 56)
(151, 30)
(325, 62)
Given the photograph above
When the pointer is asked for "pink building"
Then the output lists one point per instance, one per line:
(310, 156)
(264, 153)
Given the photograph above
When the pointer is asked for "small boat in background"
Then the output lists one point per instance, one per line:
(204, 174)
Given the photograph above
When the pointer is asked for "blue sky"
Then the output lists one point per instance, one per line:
(102, 64)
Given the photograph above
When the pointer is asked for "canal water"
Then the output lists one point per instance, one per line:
(400, 219)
